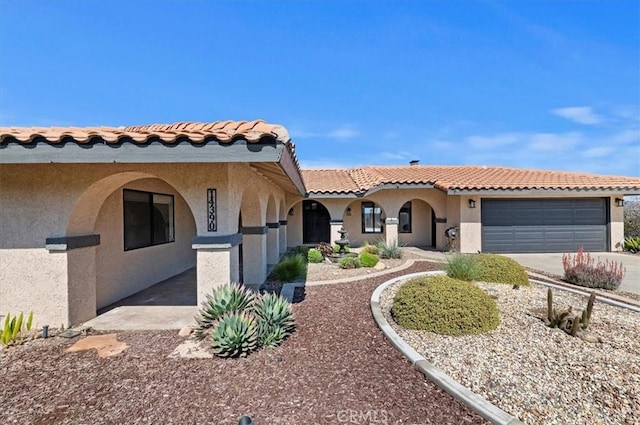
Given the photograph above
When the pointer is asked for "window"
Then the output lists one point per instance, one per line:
(148, 219)
(371, 218)
(404, 218)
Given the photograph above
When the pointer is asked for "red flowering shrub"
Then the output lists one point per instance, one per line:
(582, 270)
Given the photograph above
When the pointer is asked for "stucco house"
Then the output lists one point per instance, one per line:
(89, 216)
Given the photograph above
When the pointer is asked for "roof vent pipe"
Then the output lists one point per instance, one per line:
(414, 162)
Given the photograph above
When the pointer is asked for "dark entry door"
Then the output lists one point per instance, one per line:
(316, 222)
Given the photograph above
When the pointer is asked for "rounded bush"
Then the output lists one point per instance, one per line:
(368, 259)
(336, 248)
(349, 263)
(499, 269)
(444, 306)
(314, 256)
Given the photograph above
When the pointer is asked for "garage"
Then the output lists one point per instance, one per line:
(544, 225)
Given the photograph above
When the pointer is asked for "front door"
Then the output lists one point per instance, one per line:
(316, 222)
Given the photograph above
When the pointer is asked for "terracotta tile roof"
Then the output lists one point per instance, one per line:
(195, 132)
(450, 178)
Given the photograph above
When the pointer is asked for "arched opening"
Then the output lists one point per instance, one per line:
(144, 256)
(416, 224)
(316, 222)
(364, 222)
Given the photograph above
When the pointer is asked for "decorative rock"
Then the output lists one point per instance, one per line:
(106, 345)
(380, 266)
(186, 331)
(190, 349)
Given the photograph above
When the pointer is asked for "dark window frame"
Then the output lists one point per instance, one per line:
(373, 207)
(407, 209)
(172, 224)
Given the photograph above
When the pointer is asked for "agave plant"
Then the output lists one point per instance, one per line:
(234, 335)
(224, 299)
(275, 319)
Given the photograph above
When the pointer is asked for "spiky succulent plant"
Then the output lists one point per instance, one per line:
(235, 334)
(224, 299)
(275, 319)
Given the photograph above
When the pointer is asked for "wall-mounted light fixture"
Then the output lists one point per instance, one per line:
(619, 202)
(472, 203)
(291, 211)
(348, 210)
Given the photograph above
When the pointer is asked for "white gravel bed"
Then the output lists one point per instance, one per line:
(538, 374)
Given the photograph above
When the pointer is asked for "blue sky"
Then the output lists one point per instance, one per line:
(541, 84)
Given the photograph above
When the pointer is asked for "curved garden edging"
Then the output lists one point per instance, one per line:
(485, 409)
(399, 268)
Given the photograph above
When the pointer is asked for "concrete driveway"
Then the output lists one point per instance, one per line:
(552, 263)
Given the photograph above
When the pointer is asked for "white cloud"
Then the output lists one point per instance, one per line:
(343, 133)
(625, 137)
(340, 133)
(597, 152)
(578, 114)
(552, 141)
(491, 142)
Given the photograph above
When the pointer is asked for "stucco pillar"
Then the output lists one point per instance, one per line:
(254, 249)
(282, 237)
(617, 224)
(391, 230)
(335, 235)
(273, 243)
(470, 238)
(217, 262)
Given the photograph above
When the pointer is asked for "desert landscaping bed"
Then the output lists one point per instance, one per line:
(336, 366)
(538, 374)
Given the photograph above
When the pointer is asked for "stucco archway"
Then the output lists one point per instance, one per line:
(253, 250)
(108, 272)
(416, 224)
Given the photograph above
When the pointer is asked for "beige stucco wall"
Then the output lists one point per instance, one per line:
(32, 279)
(294, 226)
(122, 273)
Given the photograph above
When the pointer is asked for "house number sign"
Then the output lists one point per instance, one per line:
(211, 210)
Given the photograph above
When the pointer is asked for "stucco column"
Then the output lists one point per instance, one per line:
(334, 235)
(617, 224)
(254, 248)
(391, 230)
(217, 262)
(470, 239)
(273, 243)
(282, 237)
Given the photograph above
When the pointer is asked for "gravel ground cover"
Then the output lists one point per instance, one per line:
(337, 368)
(538, 374)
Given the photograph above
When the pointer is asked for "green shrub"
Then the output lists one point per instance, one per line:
(275, 319)
(290, 268)
(239, 321)
(632, 244)
(336, 248)
(463, 267)
(14, 328)
(582, 270)
(499, 269)
(389, 250)
(235, 335)
(371, 249)
(224, 299)
(314, 256)
(445, 306)
(368, 260)
(349, 263)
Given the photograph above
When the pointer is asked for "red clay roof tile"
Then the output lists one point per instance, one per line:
(223, 132)
(460, 178)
